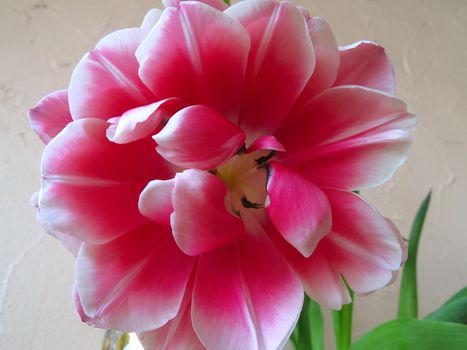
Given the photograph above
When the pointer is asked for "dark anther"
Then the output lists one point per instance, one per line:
(242, 150)
(264, 159)
(247, 204)
(213, 171)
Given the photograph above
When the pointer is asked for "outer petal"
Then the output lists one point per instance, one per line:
(51, 115)
(91, 186)
(140, 122)
(298, 208)
(280, 62)
(362, 247)
(151, 19)
(197, 54)
(327, 59)
(177, 334)
(155, 202)
(200, 221)
(199, 137)
(267, 142)
(353, 130)
(105, 83)
(245, 297)
(134, 283)
(217, 4)
(365, 63)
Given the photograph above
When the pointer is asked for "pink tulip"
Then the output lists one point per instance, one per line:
(201, 169)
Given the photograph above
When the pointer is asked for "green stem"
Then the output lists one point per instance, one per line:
(342, 321)
(227, 2)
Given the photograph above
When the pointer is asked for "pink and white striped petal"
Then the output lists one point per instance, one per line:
(198, 54)
(245, 297)
(140, 122)
(91, 186)
(298, 208)
(365, 63)
(200, 221)
(217, 4)
(199, 137)
(135, 282)
(105, 83)
(280, 62)
(50, 116)
(155, 202)
(327, 59)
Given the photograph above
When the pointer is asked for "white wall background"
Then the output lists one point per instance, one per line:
(41, 41)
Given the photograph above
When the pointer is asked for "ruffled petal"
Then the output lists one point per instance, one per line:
(199, 137)
(105, 83)
(200, 221)
(90, 186)
(365, 63)
(51, 115)
(217, 4)
(298, 208)
(135, 282)
(198, 54)
(327, 59)
(362, 247)
(366, 136)
(280, 62)
(245, 297)
(155, 202)
(140, 122)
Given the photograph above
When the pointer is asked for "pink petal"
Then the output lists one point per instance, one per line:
(245, 297)
(91, 186)
(327, 59)
(199, 137)
(362, 247)
(150, 20)
(280, 62)
(198, 54)
(217, 4)
(51, 115)
(200, 221)
(298, 208)
(365, 63)
(105, 83)
(155, 202)
(268, 142)
(353, 130)
(135, 282)
(177, 334)
(140, 122)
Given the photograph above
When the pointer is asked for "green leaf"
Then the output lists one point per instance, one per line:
(309, 332)
(453, 310)
(413, 334)
(342, 321)
(227, 2)
(408, 303)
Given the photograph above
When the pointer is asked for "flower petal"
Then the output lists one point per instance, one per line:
(298, 208)
(280, 62)
(177, 334)
(350, 130)
(140, 122)
(135, 282)
(155, 202)
(268, 142)
(198, 137)
(362, 247)
(51, 115)
(245, 297)
(91, 186)
(217, 4)
(200, 221)
(105, 83)
(198, 54)
(150, 20)
(327, 59)
(365, 63)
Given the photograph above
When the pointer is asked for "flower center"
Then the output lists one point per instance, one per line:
(246, 174)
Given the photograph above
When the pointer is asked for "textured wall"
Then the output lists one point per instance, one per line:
(40, 42)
